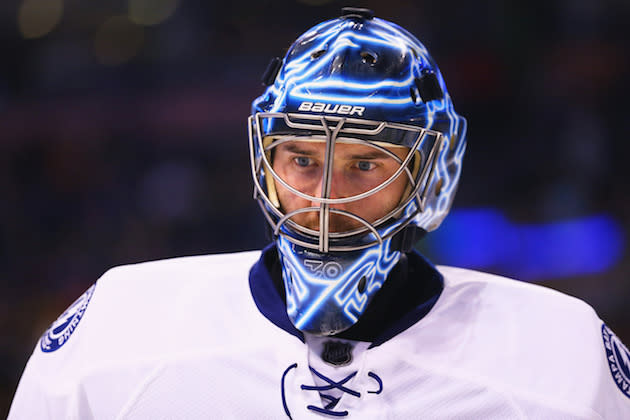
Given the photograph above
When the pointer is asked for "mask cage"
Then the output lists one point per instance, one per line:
(269, 129)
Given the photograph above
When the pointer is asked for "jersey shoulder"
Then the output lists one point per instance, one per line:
(506, 291)
(184, 269)
(132, 306)
(149, 285)
(135, 322)
(530, 315)
(536, 342)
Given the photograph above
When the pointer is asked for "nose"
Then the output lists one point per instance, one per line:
(338, 188)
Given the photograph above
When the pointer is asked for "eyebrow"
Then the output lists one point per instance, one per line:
(294, 148)
(376, 154)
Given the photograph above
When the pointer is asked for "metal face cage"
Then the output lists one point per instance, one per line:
(267, 130)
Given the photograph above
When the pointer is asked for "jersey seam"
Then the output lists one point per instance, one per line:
(141, 389)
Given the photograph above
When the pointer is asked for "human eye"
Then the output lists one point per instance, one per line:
(365, 165)
(302, 161)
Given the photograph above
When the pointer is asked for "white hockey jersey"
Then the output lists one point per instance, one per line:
(185, 339)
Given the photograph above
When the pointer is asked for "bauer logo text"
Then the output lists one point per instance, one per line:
(332, 108)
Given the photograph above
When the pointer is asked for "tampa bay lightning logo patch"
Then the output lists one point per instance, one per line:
(60, 331)
(618, 360)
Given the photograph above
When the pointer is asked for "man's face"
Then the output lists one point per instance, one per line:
(357, 168)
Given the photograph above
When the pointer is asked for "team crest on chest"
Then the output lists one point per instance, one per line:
(618, 358)
(60, 331)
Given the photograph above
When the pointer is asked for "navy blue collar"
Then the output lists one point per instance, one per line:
(408, 295)
(269, 301)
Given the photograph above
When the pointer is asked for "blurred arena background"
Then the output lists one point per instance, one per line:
(123, 139)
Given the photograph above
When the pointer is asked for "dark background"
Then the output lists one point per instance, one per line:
(125, 140)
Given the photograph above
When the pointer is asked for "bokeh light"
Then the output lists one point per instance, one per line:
(37, 18)
(151, 12)
(117, 40)
(587, 245)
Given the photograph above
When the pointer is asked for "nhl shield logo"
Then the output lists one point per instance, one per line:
(60, 331)
(337, 353)
(618, 358)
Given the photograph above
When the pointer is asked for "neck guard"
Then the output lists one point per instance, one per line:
(326, 293)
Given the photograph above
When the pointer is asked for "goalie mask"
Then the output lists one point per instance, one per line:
(355, 147)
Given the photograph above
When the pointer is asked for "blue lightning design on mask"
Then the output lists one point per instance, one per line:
(378, 67)
(305, 78)
(322, 301)
(300, 74)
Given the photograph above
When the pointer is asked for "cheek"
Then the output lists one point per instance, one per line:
(302, 180)
(396, 190)
(288, 200)
(384, 201)
(284, 196)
